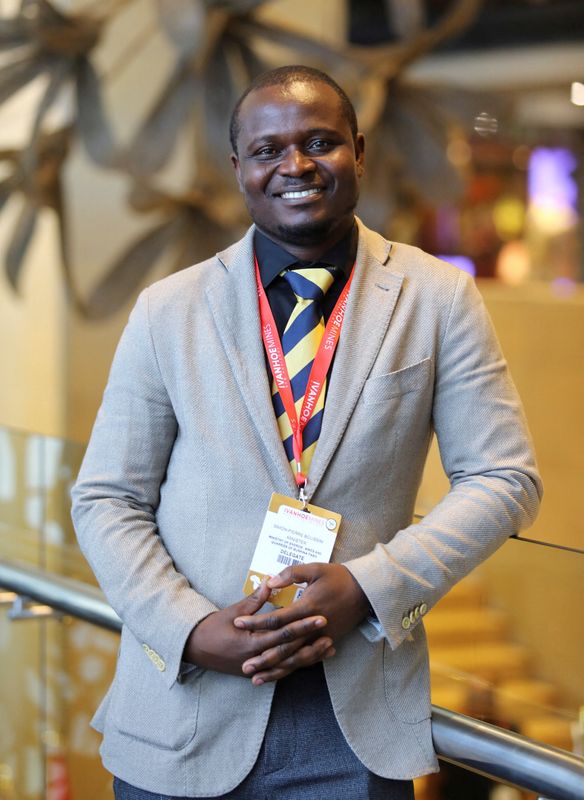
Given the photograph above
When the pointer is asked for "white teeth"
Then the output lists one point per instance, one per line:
(296, 195)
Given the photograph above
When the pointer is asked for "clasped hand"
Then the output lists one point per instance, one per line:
(266, 647)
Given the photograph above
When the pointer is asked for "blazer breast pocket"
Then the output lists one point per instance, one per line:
(413, 378)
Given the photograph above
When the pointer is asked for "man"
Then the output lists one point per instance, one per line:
(188, 447)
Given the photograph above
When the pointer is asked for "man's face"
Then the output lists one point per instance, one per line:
(298, 165)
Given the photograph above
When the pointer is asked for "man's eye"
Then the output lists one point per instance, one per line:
(320, 145)
(266, 152)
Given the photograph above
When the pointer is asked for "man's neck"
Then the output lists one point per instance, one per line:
(310, 251)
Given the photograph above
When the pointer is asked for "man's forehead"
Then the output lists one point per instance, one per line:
(299, 92)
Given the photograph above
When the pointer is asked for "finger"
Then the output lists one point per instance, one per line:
(271, 657)
(253, 602)
(297, 632)
(300, 628)
(283, 655)
(292, 620)
(299, 573)
(304, 657)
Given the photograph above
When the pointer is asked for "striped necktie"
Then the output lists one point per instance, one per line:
(300, 341)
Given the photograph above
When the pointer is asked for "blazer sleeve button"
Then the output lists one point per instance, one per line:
(406, 623)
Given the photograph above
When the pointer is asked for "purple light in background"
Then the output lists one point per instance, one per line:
(549, 178)
(447, 227)
(464, 263)
(564, 287)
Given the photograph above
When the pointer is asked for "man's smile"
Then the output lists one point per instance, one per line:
(298, 194)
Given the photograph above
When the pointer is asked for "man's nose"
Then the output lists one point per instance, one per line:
(296, 162)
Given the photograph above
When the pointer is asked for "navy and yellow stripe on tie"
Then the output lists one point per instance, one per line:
(300, 341)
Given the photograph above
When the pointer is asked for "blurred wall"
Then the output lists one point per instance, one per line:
(33, 353)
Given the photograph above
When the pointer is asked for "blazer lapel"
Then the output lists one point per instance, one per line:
(233, 301)
(372, 299)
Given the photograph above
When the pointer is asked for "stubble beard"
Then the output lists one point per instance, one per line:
(314, 231)
(307, 233)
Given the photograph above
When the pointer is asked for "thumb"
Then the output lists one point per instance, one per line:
(299, 573)
(254, 601)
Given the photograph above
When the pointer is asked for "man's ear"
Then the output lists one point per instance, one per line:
(360, 153)
(237, 168)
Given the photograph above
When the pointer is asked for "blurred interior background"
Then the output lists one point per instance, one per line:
(114, 172)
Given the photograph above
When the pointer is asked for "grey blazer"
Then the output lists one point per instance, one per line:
(186, 452)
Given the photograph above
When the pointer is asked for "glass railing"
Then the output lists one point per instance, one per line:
(506, 645)
(54, 671)
(54, 674)
(36, 475)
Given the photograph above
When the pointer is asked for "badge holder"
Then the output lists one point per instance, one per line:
(294, 532)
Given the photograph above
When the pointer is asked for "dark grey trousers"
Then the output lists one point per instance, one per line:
(304, 755)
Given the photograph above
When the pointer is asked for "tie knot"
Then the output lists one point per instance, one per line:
(310, 283)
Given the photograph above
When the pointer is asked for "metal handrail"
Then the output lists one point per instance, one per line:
(506, 756)
(478, 746)
(64, 594)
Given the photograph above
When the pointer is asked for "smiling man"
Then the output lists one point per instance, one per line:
(310, 363)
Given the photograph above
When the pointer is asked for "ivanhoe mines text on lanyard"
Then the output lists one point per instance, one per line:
(318, 373)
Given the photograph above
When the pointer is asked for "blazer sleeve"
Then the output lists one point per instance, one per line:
(487, 455)
(116, 497)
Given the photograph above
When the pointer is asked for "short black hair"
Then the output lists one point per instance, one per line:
(284, 76)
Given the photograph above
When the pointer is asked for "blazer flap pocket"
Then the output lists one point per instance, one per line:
(394, 384)
(141, 706)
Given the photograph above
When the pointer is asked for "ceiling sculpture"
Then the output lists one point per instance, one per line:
(218, 47)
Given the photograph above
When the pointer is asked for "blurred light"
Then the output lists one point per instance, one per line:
(447, 228)
(552, 190)
(564, 287)
(458, 152)
(513, 264)
(462, 262)
(550, 181)
(552, 221)
(485, 124)
(509, 217)
(577, 93)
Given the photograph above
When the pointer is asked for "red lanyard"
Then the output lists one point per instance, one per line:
(318, 373)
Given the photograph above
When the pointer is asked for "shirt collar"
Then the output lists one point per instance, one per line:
(273, 259)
